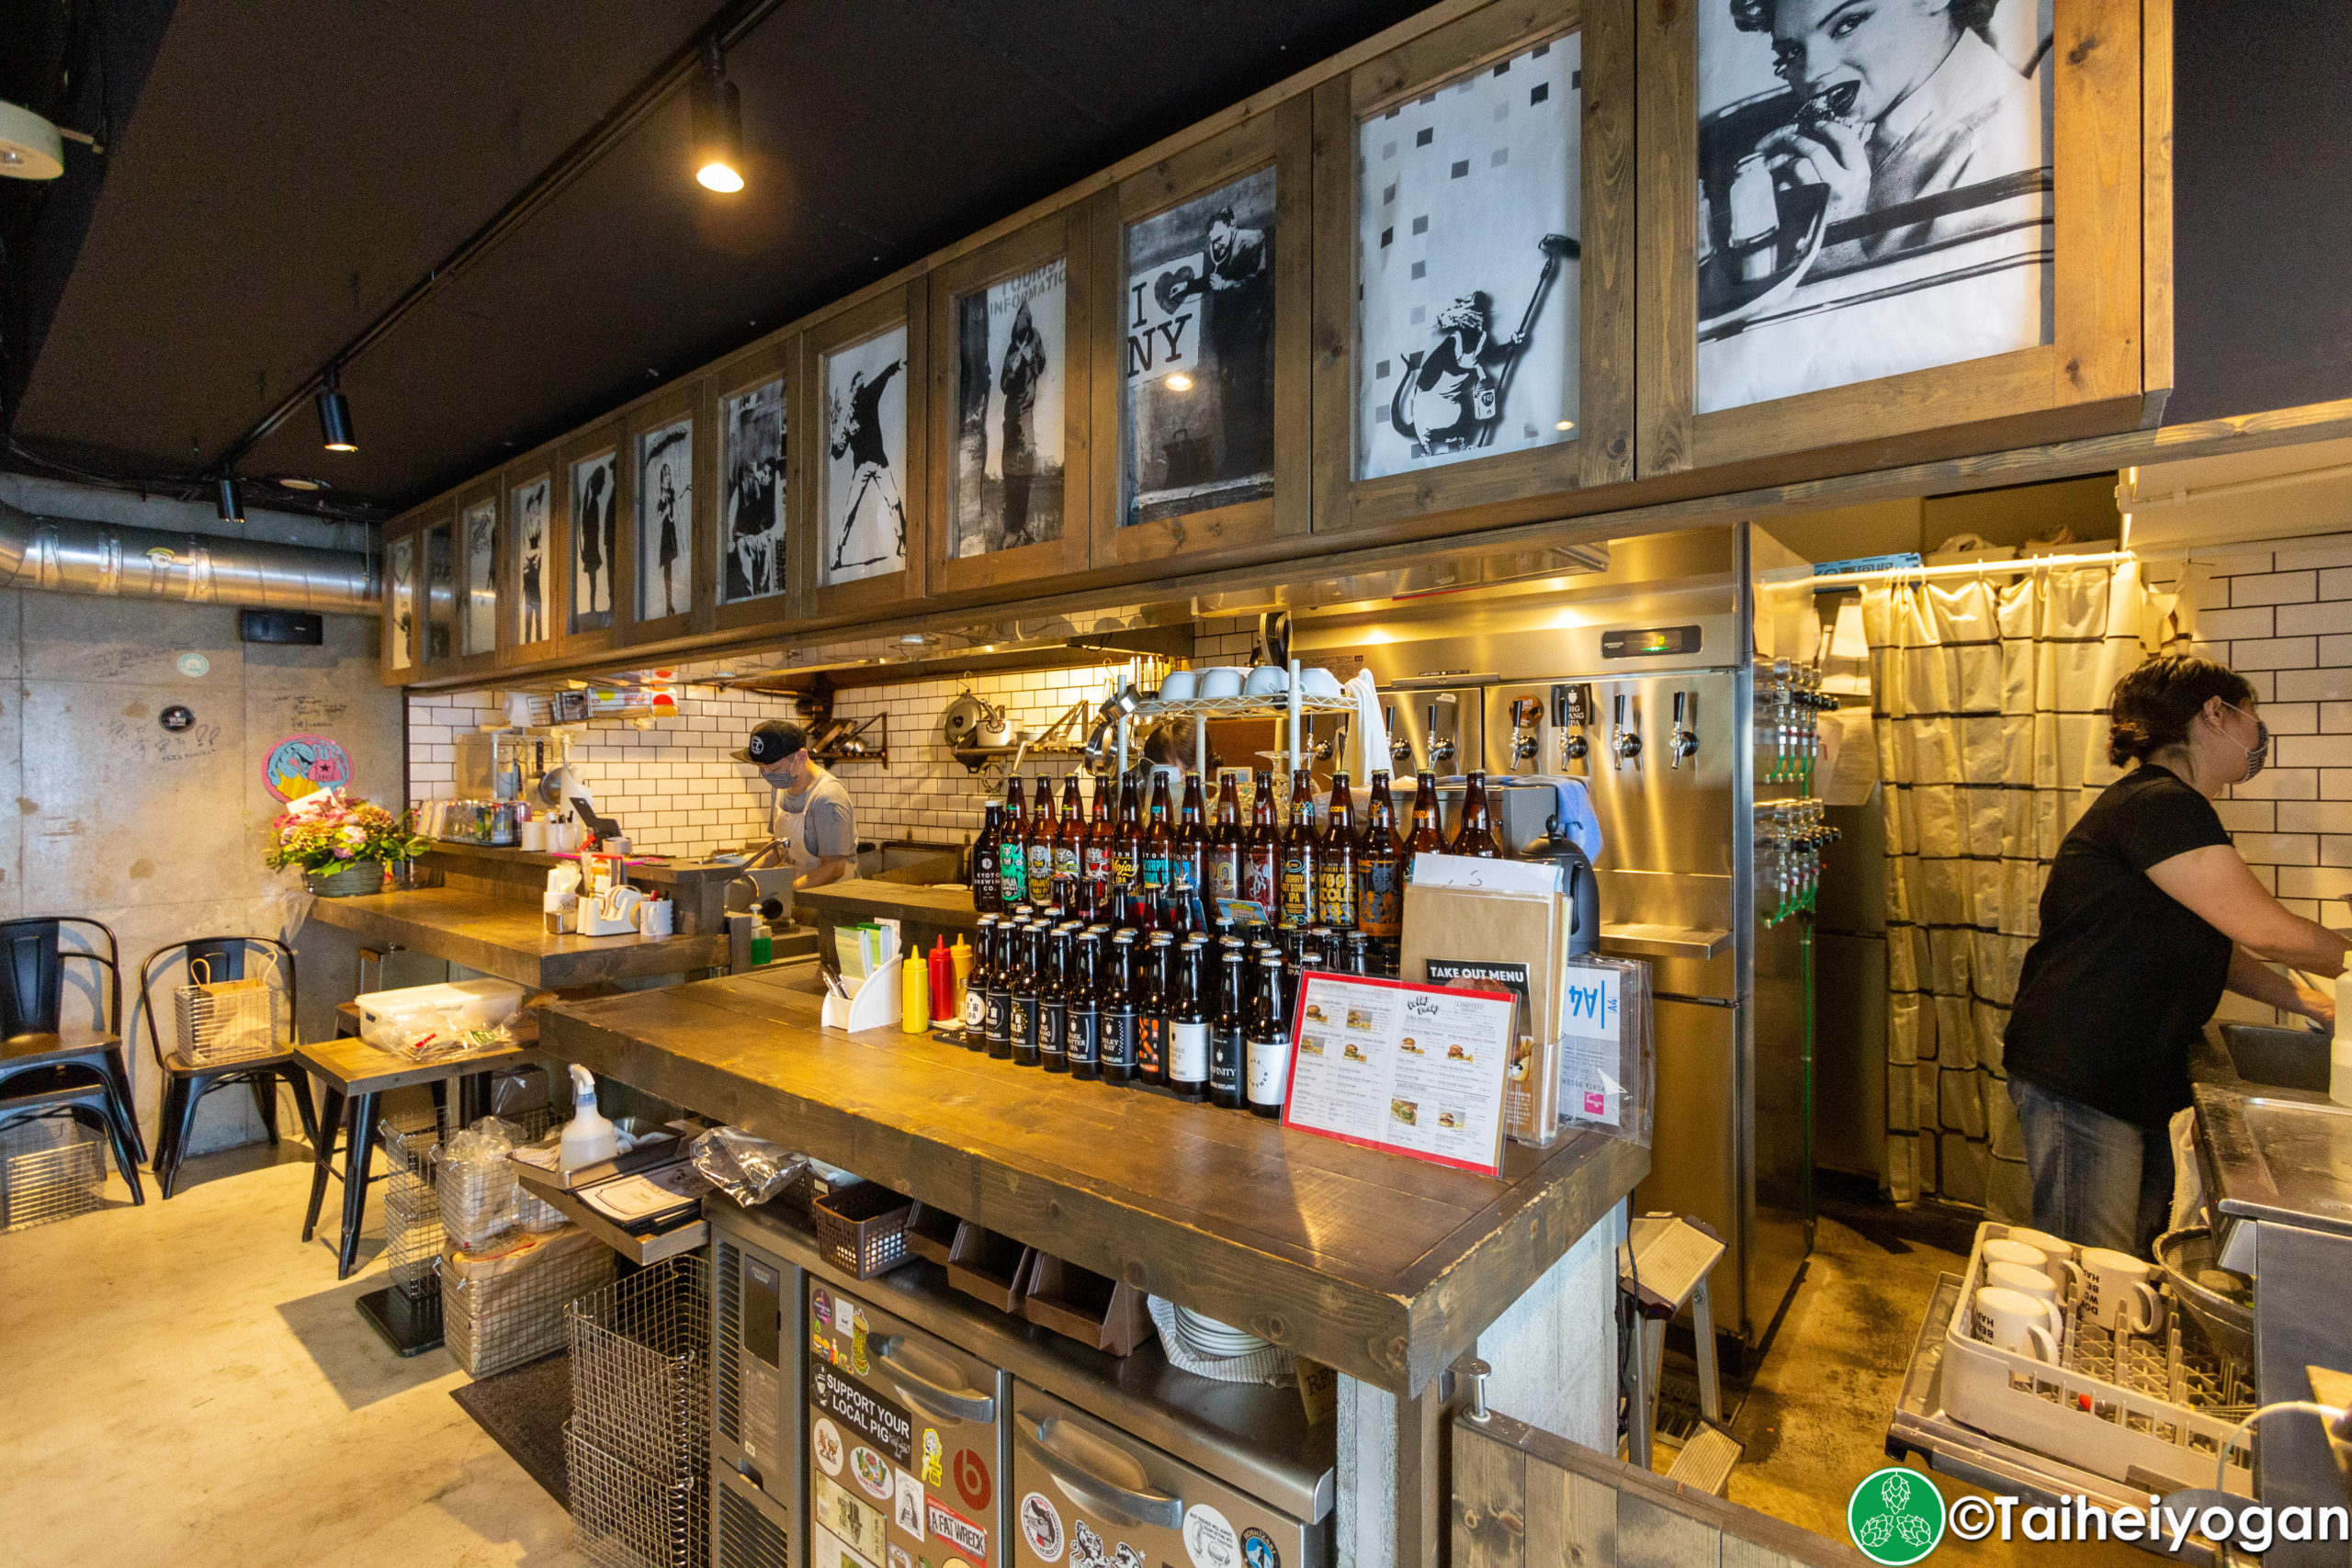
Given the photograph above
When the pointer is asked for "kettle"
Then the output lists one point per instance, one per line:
(1577, 882)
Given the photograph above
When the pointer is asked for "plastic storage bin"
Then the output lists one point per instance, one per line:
(473, 1003)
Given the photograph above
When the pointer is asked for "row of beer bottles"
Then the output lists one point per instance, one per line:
(1153, 867)
(1206, 1018)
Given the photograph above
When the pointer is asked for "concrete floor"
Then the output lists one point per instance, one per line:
(1814, 1421)
(188, 1383)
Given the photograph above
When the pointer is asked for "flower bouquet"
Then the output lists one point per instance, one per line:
(340, 844)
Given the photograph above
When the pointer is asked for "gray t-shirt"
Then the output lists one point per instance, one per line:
(828, 823)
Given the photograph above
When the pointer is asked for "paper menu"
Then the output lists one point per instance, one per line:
(1590, 1045)
(1417, 1070)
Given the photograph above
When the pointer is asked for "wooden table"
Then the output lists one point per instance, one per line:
(1383, 1267)
(508, 938)
(357, 1075)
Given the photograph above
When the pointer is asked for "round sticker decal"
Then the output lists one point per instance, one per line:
(194, 666)
(1258, 1551)
(1209, 1539)
(1896, 1516)
(826, 1438)
(873, 1472)
(302, 763)
(972, 1479)
(1041, 1526)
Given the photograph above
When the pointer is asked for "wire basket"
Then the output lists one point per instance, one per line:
(862, 1228)
(640, 1367)
(503, 1308)
(227, 1021)
(624, 1517)
(411, 1215)
(51, 1168)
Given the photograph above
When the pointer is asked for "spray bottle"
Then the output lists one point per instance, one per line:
(589, 1136)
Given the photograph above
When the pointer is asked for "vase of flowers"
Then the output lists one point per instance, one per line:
(340, 844)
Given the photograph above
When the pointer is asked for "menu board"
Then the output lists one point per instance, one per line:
(1416, 1070)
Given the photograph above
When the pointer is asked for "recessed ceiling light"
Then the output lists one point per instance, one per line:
(299, 481)
(1180, 382)
(30, 148)
(1565, 425)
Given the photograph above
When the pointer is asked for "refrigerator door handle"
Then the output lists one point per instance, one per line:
(1104, 1496)
(936, 1400)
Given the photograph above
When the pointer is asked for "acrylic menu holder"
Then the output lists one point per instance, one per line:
(873, 1005)
(1414, 1070)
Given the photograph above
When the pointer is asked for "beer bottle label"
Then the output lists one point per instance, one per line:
(1298, 891)
(1155, 871)
(1098, 863)
(1052, 1021)
(1149, 1033)
(1380, 895)
(1120, 1027)
(1335, 897)
(1082, 1031)
(1123, 867)
(1065, 861)
(1226, 1048)
(1013, 868)
(1225, 877)
(1041, 878)
(1269, 1070)
(999, 1015)
(1188, 1053)
(1024, 1023)
(976, 1011)
(1260, 882)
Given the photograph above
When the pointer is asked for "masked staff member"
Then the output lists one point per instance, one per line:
(813, 817)
(2148, 917)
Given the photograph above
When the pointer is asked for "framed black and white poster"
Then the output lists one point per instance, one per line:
(478, 533)
(752, 503)
(1199, 390)
(594, 495)
(401, 567)
(1875, 191)
(1467, 218)
(864, 513)
(440, 593)
(1011, 372)
(526, 520)
(665, 520)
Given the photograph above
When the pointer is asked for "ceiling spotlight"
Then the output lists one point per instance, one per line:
(299, 481)
(334, 415)
(1180, 382)
(1565, 425)
(719, 125)
(232, 505)
(30, 148)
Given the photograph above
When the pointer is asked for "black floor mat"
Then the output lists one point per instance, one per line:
(524, 1409)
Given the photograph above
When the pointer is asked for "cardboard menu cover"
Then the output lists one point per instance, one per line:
(1504, 942)
(1416, 1070)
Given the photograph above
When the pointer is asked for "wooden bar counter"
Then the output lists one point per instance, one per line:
(1383, 1267)
(508, 938)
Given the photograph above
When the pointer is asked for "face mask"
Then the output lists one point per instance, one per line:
(2259, 753)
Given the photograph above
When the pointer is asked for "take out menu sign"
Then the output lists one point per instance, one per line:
(1416, 1070)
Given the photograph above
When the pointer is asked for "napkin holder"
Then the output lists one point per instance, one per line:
(873, 1005)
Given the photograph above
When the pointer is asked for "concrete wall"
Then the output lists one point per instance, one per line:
(159, 835)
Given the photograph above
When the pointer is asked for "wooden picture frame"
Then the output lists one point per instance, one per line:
(636, 593)
(517, 555)
(1282, 140)
(476, 654)
(1505, 486)
(605, 436)
(1017, 257)
(899, 309)
(2106, 363)
(738, 376)
(403, 577)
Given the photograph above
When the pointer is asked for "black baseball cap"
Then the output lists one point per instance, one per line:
(772, 743)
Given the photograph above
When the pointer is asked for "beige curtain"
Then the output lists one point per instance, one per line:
(1990, 698)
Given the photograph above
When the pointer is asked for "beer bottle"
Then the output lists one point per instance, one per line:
(1225, 843)
(1155, 992)
(987, 887)
(1261, 852)
(1094, 868)
(1299, 855)
(1042, 829)
(1188, 1024)
(1193, 852)
(1083, 1034)
(1121, 1023)
(1380, 885)
(1012, 850)
(1053, 1001)
(999, 1038)
(1127, 853)
(1027, 963)
(1228, 1046)
(1425, 839)
(975, 987)
(1335, 861)
(1068, 840)
(1159, 841)
(1267, 1042)
(1475, 835)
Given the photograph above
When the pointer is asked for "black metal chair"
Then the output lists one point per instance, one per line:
(37, 1054)
(185, 1083)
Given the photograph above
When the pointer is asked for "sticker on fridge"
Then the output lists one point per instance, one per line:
(909, 1504)
(829, 1550)
(826, 1438)
(878, 1420)
(1258, 1551)
(873, 1472)
(933, 1474)
(1209, 1539)
(1041, 1526)
(860, 1526)
(955, 1529)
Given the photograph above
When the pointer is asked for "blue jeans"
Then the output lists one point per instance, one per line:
(2098, 1180)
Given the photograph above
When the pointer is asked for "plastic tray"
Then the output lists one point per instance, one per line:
(863, 1229)
(2164, 1415)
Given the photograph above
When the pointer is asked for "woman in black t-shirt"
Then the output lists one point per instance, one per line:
(2148, 917)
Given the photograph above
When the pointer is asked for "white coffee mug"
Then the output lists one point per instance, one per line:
(1317, 682)
(1222, 680)
(654, 917)
(2120, 1296)
(2020, 1324)
(1267, 680)
(1178, 686)
(2059, 1271)
(2041, 1241)
(2026, 1280)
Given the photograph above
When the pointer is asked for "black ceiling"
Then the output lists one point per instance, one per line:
(290, 169)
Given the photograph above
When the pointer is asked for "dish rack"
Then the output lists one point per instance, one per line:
(2163, 1403)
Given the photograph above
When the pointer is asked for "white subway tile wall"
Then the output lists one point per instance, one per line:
(678, 792)
(2282, 617)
